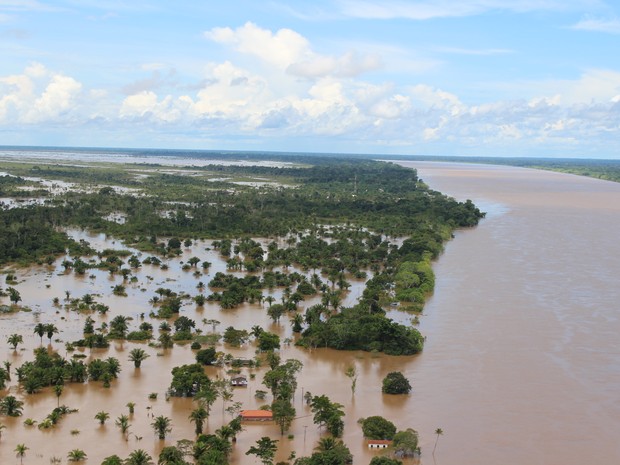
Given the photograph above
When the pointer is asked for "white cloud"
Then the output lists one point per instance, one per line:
(281, 49)
(37, 95)
(610, 26)
(289, 51)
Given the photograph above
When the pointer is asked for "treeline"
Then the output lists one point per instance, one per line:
(379, 196)
(27, 234)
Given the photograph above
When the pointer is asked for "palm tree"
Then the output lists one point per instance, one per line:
(50, 330)
(198, 416)
(207, 397)
(102, 417)
(76, 455)
(171, 456)
(438, 432)
(139, 457)
(131, 406)
(11, 407)
(20, 451)
(7, 368)
(137, 356)
(123, 423)
(58, 388)
(14, 340)
(39, 330)
(14, 295)
(161, 425)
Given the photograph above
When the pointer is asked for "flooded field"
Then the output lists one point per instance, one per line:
(323, 371)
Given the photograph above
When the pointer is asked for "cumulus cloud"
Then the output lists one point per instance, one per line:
(289, 51)
(37, 95)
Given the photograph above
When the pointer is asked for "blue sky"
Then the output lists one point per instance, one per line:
(443, 77)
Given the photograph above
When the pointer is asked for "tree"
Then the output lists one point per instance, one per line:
(377, 427)
(283, 414)
(14, 340)
(50, 330)
(137, 356)
(188, 380)
(102, 417)
(198, 417)
(39, 330)
(276, 311)
(265, 450)
(14, 295)
(11, 407)
(76, 455)
(206, 356)
(171, 455)
(112, 460)
(382, 460)
(58, 388)
(281, 379)
(139, 457)
(123, 423)
(328, 413)
(396, 383)
(351, 373)
(268, 341)
(131, 406)
(405, 443)
(20, 451)
(161, 425)
(438, 432)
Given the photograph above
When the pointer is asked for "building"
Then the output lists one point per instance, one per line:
(239, 381)
(379, 443)
(256, 415)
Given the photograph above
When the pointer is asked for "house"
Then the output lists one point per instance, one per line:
(256, 415)
(239, 381)
(379, 443)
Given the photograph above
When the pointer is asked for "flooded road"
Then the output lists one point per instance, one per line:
(522, 361)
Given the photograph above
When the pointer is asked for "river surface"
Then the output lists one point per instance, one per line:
(521, 364)
(522, 361)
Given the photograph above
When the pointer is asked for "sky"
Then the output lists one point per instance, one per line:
(420, 77)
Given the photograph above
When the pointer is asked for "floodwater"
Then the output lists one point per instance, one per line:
(522, 361)
(323, 371)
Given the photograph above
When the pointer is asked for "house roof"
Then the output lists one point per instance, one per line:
(257, 413)
(379, 441)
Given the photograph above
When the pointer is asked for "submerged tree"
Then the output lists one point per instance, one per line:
(265, 450)
(137, 356)
(161, 425)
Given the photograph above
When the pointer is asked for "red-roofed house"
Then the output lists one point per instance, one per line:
(256, 415)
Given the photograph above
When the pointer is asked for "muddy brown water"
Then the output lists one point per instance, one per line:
(521, 363)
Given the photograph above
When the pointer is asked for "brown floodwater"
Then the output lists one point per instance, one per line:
(521, 363)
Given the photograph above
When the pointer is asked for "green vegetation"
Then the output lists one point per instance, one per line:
(395, 383)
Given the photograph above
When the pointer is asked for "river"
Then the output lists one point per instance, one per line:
(522, 361)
